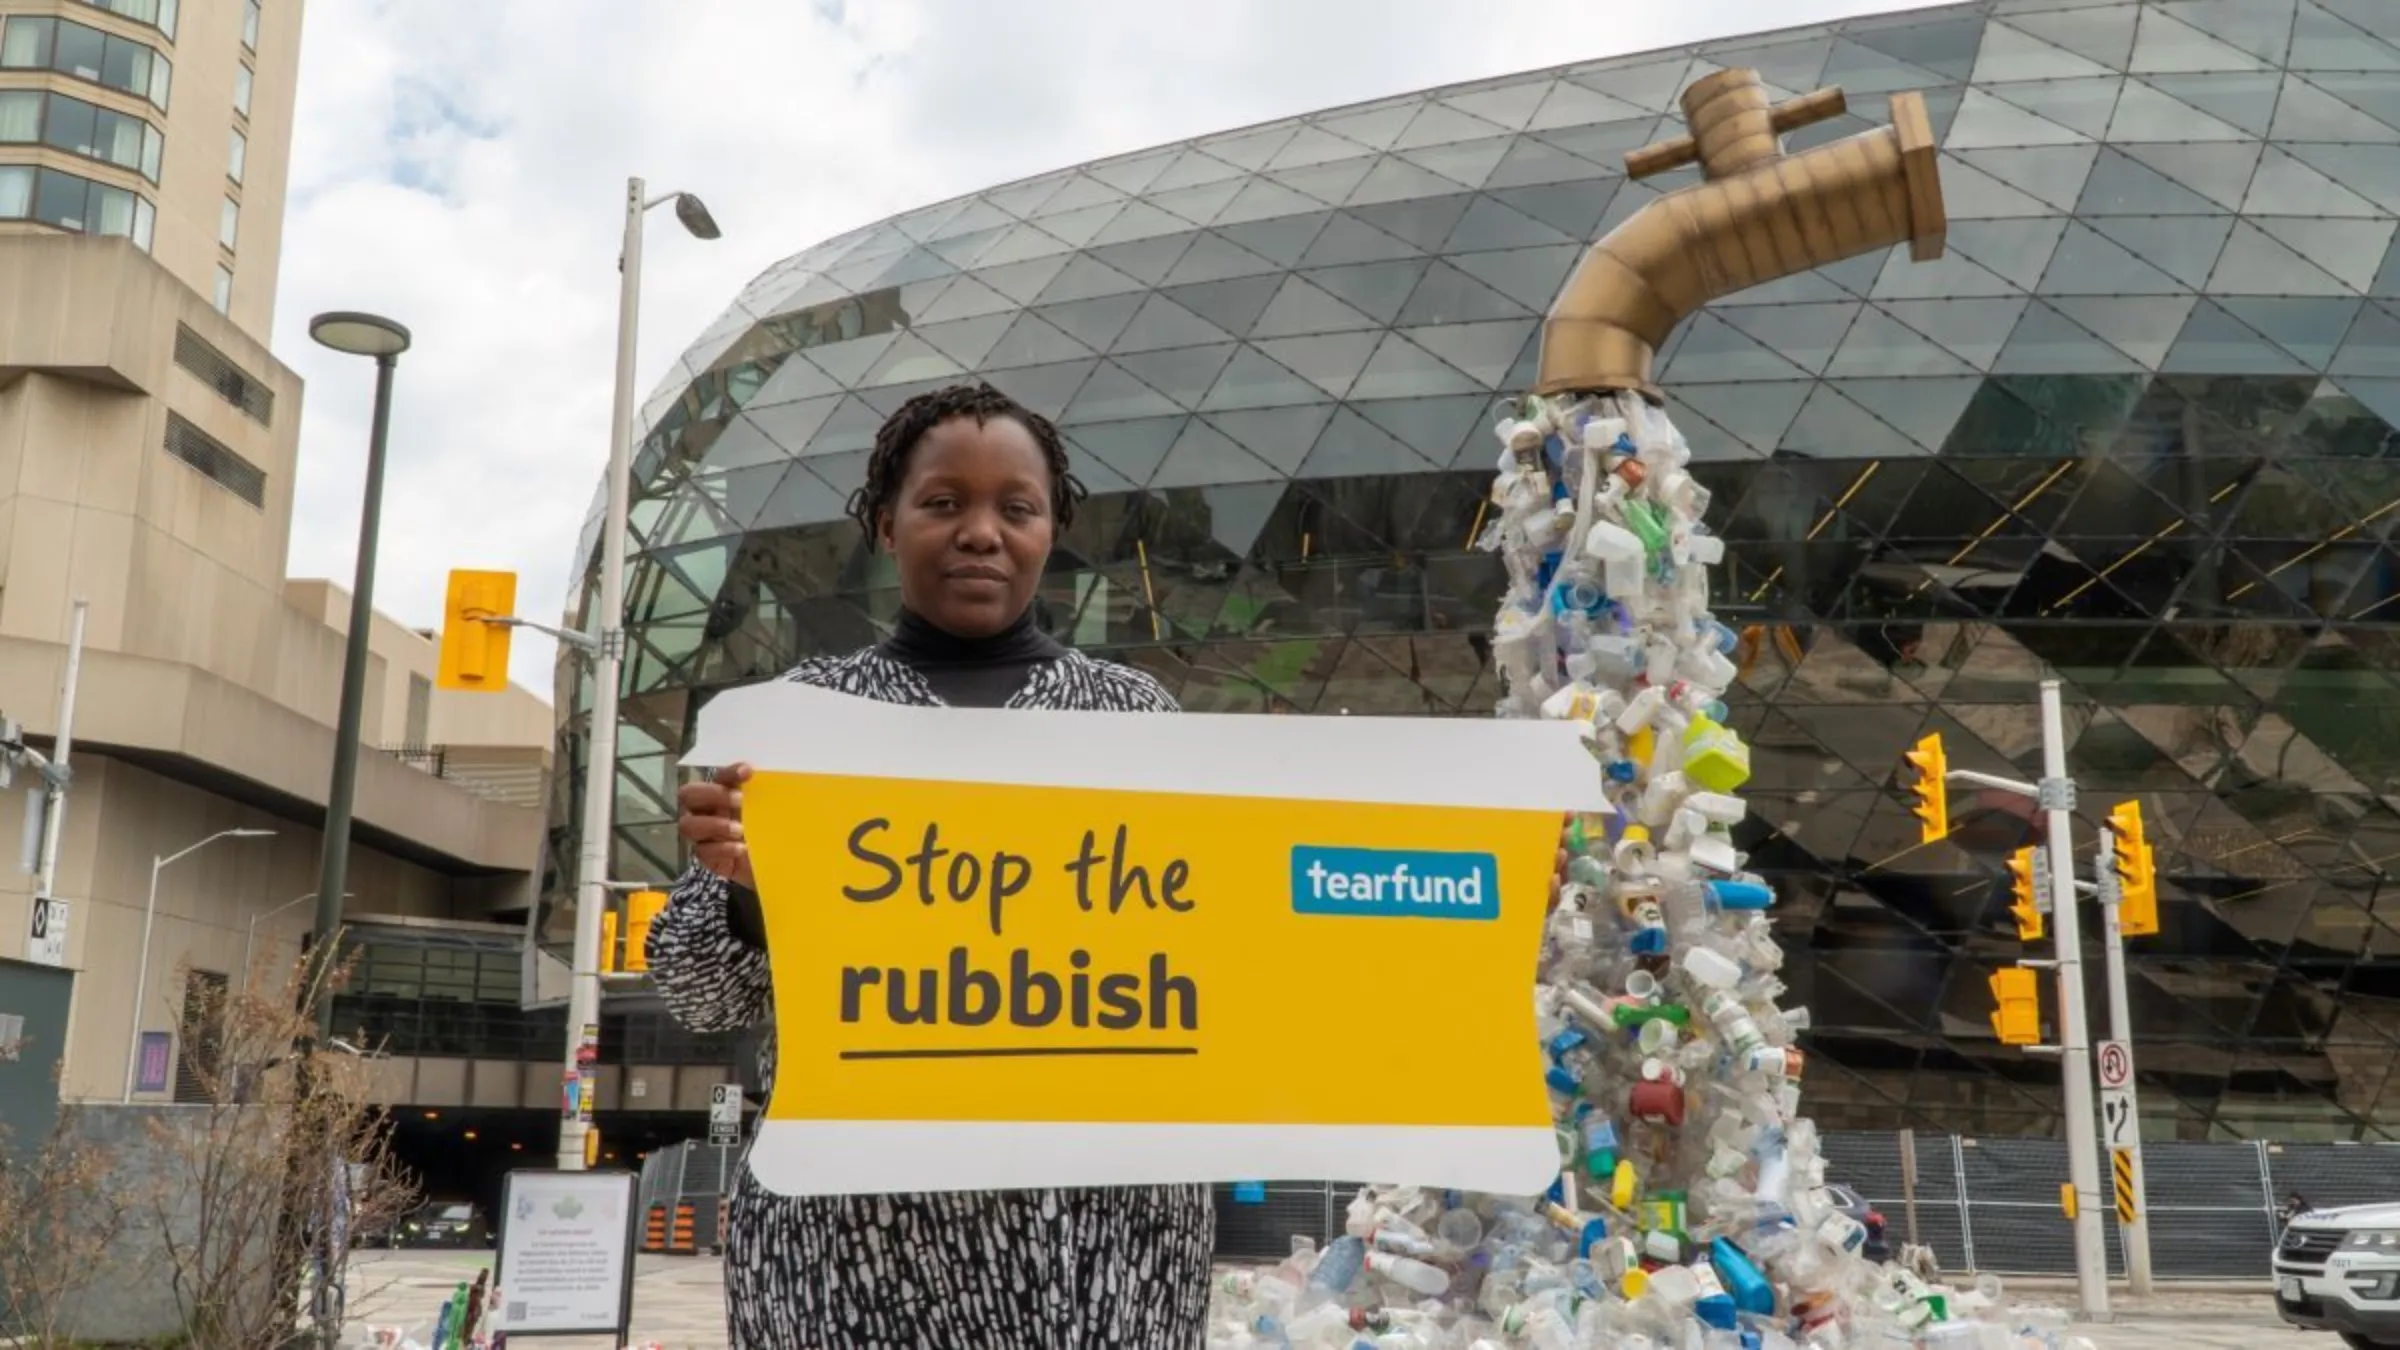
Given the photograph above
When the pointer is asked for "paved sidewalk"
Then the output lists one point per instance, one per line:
(678, 1302)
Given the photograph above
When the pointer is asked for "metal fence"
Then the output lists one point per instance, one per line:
(1987, 1204)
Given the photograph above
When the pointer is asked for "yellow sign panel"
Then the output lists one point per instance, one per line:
(2121, 1164)
(1164, 959)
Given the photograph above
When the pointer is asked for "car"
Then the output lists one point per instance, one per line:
(444, 1223)
(2339, 1270)
(1877, 1247)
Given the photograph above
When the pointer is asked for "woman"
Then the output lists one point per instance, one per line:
(968, 491)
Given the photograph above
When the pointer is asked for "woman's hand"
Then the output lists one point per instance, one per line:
(712, 822)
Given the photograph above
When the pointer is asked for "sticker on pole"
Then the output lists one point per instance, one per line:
(725, 1114)
(2116, 1064)
(1017, 949)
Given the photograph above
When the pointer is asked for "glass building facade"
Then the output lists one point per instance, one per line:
(2137, 429)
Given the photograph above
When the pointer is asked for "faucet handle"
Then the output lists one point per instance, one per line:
(1787, 116)
(1662, 157)
(1809, 109)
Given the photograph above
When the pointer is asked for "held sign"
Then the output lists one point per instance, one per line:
(1018, 949)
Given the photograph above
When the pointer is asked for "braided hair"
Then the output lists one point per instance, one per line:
(897, 438)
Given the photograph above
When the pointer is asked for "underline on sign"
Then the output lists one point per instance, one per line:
(1025, 1052)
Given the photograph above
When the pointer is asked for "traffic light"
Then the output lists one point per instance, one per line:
(1932, 788)
(2017, 1010)
(641, 910)
(474, 654)
(608, 942)
(2137, 872)
(2025, 888)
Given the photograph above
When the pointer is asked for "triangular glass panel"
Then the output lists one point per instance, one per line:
(1132, 173)
(1183, 374)
(792, 380)
(1652, 86)
(1797, 67)
(1805, 335)
(2255, 264)
(1212, 257)
(1144, 259)
(1972, 194)
(2084, 105)
(1162, 323)
(1974, 330)
(2307, 112)
(1923, 409)
(1079, 193)
(2187, 247)
(1030, 341)
(1433, 427)
(1085, 277)
(1330, 184)
(799, 498)
(1282, 240)
(2372, 347)
(1262, 198)
(1280, 436)
(1024, 281)
(1832, 427)
(1237, 513)
(2103, 33)
(1231, 305)
(1875, 343)
(966, 341)
(2016, 250)
(2164, 46)
(1353, 447)
(1130, 449)
(1114, 394)
(2088, 263)
(1347, 239)
(1902, 277)
(2218, 172)
(2286, 187)
(1569, 104)
(1530, 276)
(1375, 128)
(1251, 149)
(1532, 161)
(1375, 289)
(1199, 204)
(1252, 380)
(1394, 179)
(2262, 28)
(2147, 114)
(1485, 351)
(1300, 308)
(744, 445)
(847, 361)
(2053, 174)
(2310, 330)
(1095, 323)
(1573, 209)
(1191, 169)
(788, 425)
(2372, 15)
(2046, 342)
(2143, 327)
(1945, 46)
(1400, 368)
(2370, 170)
(1605, 144)
(1862, 71)
(1466, 163)
(1424, 223)
(1447, 295)
(909, 359)
(1331, 361)
(1315, 145)
(2216, 343)
(2322, 42)
(1020, 243)
(851, 426)
(1203, 457)
(1044, 389)
(1715, 352)
(2350, 249)
(2012, 54)
(1490, 225)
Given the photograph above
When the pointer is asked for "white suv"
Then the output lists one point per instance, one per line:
(2339, 1270)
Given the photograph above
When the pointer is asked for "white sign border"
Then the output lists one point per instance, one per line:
(631, 1182)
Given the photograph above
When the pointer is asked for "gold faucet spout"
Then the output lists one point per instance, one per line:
(1759, 215)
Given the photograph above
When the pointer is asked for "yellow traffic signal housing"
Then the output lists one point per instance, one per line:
(2137, 872)
(1932, 788)
(474, 655)
(2026, 905)
(642, 909)
(608, 941)
(2017, 1014)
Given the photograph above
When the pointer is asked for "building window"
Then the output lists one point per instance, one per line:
(229, 222)
(71, 203)
(71, 48)
(420, 711)
(30, 117)
(250, 25)
(214, 369)
(242, 80)
(159, 14)
(16, 191)
(237, 156)
(212, 458)
(223, 299)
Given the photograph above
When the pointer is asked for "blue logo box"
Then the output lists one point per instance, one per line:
(1395, 883)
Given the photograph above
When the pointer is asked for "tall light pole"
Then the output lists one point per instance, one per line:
(141, 979)
(373, 336)
(600, 763)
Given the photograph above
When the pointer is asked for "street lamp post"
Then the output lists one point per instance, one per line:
(251, 941)
(141, 979)
(599, 781)
(372, 336)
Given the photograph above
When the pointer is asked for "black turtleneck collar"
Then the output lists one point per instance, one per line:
(971, 672)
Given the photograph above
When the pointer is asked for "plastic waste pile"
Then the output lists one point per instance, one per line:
(1689, 1213)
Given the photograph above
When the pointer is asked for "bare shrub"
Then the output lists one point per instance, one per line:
(59, 1218)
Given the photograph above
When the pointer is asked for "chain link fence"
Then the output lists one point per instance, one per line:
(1985, 1204)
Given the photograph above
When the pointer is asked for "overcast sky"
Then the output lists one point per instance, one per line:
(459, 166)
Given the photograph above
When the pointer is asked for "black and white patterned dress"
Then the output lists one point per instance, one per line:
(995, 1270)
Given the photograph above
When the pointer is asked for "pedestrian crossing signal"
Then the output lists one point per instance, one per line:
(1932, 789)
(2025, 889)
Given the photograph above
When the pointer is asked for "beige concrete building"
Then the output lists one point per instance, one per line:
(148, 439)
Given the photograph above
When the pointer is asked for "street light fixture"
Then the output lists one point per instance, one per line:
(251, 941)
(599, 784)
(141, 979)
(374, 336)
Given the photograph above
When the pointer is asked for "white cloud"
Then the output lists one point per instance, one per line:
(459, 166)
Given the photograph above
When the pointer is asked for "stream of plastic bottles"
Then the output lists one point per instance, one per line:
(1690, 1211)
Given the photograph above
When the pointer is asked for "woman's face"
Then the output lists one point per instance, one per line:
(971, 525)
